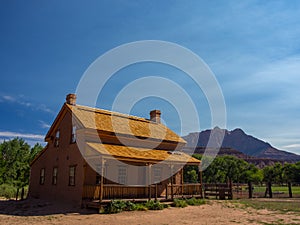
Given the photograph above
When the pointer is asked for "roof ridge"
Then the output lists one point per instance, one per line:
(108, 112)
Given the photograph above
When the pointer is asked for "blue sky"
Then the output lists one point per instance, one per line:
(253, 48)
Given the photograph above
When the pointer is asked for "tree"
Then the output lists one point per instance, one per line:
(35, 150)
(289, 173)
(223, 169)
(15, 158)
(272, 174)
(251, 174)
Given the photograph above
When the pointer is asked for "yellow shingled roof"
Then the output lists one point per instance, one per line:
(142, 154)
(118, 123)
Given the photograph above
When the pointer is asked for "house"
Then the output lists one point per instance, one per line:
(96, 155)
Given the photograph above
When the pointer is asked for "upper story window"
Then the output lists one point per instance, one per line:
(42, 176)
(54, 176)
(56, 140)
(73, 135)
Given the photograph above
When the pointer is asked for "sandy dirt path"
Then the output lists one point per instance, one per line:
(212, 213)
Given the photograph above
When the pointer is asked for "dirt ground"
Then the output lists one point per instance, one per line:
(215, 212)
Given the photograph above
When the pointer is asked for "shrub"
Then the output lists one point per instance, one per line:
(7, 191)
(155, 205)
(115, 206)
(141, 207)
(130, 206)
(179, 203)
(194, 201)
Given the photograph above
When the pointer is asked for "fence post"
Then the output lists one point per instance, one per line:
(290, 190)
(250, 189)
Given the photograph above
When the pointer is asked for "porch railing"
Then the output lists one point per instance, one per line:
(111, 191)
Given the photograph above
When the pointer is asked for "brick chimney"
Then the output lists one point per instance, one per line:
(71, 99)
(155, 115)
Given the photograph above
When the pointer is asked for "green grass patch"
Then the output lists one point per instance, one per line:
(272, 204)
(7, 191)
(275, 188)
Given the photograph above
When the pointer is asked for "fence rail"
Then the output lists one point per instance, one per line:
(219, 191)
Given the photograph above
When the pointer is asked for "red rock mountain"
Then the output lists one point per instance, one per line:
(237, 139)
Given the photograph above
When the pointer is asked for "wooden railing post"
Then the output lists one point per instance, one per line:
(172, 191)
(155, 191)
(84, 175)
(149, 180)
(182, 188)
(101, 180)
(201, 181)
(167, 191)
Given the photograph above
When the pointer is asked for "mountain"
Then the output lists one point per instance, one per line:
(239, 140)
(259, 162)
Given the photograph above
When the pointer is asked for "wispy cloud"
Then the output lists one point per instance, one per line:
(9, 135)
(8, 98)
(21, 100)
(43, 124)
(293, 146)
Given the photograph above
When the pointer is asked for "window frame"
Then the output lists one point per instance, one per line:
(122, 177)
(157, 175)
(54, 175)
(56, 138)
(42, 176)
(73, 135)
(72, 178)
(98, 173)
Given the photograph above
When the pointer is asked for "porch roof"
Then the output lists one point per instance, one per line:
(126, 153)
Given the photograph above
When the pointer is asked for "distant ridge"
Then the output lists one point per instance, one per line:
(238, 140)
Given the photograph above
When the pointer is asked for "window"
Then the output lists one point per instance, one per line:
(73, 135)
(122, 174)
(72, 170)
(56, 140)
(157, 175)
(54, 176)
(98, 173)
(98, 178)
(42, 176)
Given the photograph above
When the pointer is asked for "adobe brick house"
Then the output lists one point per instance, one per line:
(93, 154)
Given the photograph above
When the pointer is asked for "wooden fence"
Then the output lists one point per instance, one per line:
(259, 191)
(218, 191)
(185, 190)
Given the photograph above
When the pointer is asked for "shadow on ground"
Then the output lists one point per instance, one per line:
(34, 207)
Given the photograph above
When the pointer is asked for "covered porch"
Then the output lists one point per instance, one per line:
(147, 174)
